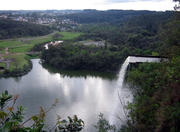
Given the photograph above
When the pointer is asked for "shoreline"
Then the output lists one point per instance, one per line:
(17, 72)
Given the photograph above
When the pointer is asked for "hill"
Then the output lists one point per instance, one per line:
(12, 29)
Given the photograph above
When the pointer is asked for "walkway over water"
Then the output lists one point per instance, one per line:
(85, 96)
(136, 59)
(123, 95)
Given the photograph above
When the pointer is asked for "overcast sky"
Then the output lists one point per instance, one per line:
(158, 5)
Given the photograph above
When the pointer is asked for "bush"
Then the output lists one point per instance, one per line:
(12, 119)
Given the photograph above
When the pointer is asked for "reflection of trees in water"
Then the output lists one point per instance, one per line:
(17, 79)
(76, 95)
(80, 73)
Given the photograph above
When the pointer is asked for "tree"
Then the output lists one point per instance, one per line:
(12, 119)
(177, 6)
(56, 36)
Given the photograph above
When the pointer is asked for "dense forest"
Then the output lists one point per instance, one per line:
(112, 16)
(140, 30)
(125, 33)
(11, 29)
(155, 87)
(78, 57)
(156, 105)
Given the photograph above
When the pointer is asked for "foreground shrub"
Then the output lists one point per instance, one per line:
(12, 118)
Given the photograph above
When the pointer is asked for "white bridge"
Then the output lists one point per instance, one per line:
(123, 95)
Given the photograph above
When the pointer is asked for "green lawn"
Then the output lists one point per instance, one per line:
(69, 35)
(2, 64)
(20, 49)
(19, 60)
(20, 46)
(9, 43)
(25, 44)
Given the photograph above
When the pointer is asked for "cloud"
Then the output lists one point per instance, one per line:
(125, 1)
(153, 5)
(158, 5)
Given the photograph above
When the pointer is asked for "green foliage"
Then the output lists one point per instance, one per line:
(12, 119)
(111, 16)
(156, 99)
(103, 125)
(72, 125)
(56, 36)
(138, 31)
(19, 47)
(69, 35)
(11, 28)
(4, 98)
(79, 57)
(170, 36)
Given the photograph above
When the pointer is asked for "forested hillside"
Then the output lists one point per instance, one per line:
(124, 32)
(110, 16)
(156, 105)
(139, 29)
(11, 28)
(155, 86)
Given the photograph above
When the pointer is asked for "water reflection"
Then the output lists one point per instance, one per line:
(81, 73)
(84, 96)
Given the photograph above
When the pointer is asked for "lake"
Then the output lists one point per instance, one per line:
(81, 93)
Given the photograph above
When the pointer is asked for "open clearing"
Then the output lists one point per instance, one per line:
(18, 47)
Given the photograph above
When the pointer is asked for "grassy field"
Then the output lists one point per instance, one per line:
(2, 64)
(69, 35)
(18, 47)
(19, 60)
(25, 44)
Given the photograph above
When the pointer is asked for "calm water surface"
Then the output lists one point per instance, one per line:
(86, 96)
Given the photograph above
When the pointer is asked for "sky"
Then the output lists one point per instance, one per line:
(157, 5)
